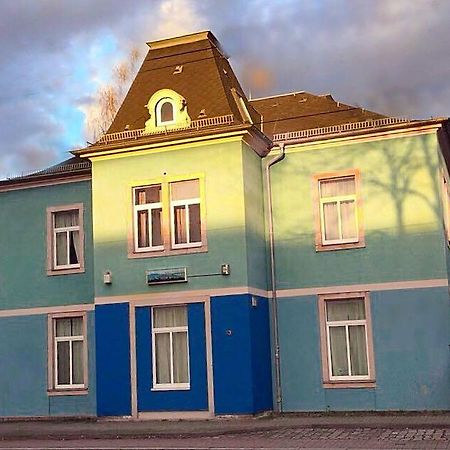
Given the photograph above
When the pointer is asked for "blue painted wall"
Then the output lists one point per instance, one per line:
(113, 360)
(411, 337)
(241, 355)
(23, 371)
(194, 399)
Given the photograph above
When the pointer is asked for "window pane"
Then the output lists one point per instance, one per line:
(345, 310)
(74, 246)
(156, 227)
(330, 217)
(180, 358)
(184, 190)
(63, 362)
(66, 218)
(338, 346)
(162, 357)
(77, 362)
(61, 249)
(142, 226)
(166, 112)
(336, 187)
(175, 316)
(63, 327)
(194, 223)
(77, 326)
(348, 219)
(180, 224)
(358, 352)
(149, 194)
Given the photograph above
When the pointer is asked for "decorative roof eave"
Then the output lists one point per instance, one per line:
(99, 149)
(17, 183)
(368, 127)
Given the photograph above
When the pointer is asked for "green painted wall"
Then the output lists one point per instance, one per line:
(401, 209)
(254, 219)
(229, 239)
(23, 260)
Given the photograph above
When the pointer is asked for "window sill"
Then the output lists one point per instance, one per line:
(170, 388)
(58, 392)
(52, 272)
(171, 252)
(332, 247)
(359, 384)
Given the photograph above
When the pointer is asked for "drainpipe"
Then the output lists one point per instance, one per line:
(274, 304)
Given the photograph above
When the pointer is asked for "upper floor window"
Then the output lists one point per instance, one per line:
(165, 112)
(446, 207)
(338, 206)
(168, 218)
(148, 218)
(65, 239)
(185, 211)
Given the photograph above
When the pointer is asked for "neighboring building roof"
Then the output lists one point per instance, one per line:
(72, 167)
(302, 110)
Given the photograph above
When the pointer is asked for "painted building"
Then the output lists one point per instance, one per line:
(215, 255)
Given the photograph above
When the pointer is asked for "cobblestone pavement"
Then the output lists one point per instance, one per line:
(286, 438)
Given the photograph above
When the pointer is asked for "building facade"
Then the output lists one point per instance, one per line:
(215, 255)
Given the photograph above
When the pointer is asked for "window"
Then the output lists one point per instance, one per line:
(165, 112)
(148, 218)
(168, 218)
(65, 239)
(67, 352)
(446, 207)
(185, 213)
(170, 348)
(338, 206)
(347, 354)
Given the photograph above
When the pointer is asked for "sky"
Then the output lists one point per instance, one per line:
(390, 56)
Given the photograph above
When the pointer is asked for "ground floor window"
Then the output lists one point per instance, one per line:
(170, 347)
(347, 354)
(67, 351)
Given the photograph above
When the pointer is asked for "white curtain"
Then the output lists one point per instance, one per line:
(345, 310)
(348, 219)
(156, 227)
(162, 356)
(180, 358)
(195, 223)
(75, 237)
(337, 187)
(142, 225)
(331, 225)
(358, 349)
(173, 316)
(180, 224)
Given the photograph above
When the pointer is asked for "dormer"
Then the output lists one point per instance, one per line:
(167, 110)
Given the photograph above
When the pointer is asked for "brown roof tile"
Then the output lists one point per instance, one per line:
(302, 110)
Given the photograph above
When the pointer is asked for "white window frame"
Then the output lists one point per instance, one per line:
(52, 231)
(159, 121)
(446, 206)
(169, 330)
(346, 323)
(146, 207)
(54, 386)
(338, 199)
(186, 203)
(345, 381)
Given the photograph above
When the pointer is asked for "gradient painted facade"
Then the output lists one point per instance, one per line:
(397, 269)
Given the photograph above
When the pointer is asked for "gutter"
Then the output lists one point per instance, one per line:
(274, 303)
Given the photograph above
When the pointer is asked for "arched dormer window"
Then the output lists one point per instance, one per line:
(168, 111)
(165, 112)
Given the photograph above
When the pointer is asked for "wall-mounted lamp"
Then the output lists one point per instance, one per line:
(107, 277)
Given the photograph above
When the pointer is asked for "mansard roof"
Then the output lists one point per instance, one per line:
(205, 80)
(302, 111)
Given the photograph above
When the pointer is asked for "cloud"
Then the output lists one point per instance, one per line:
(389, 56)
